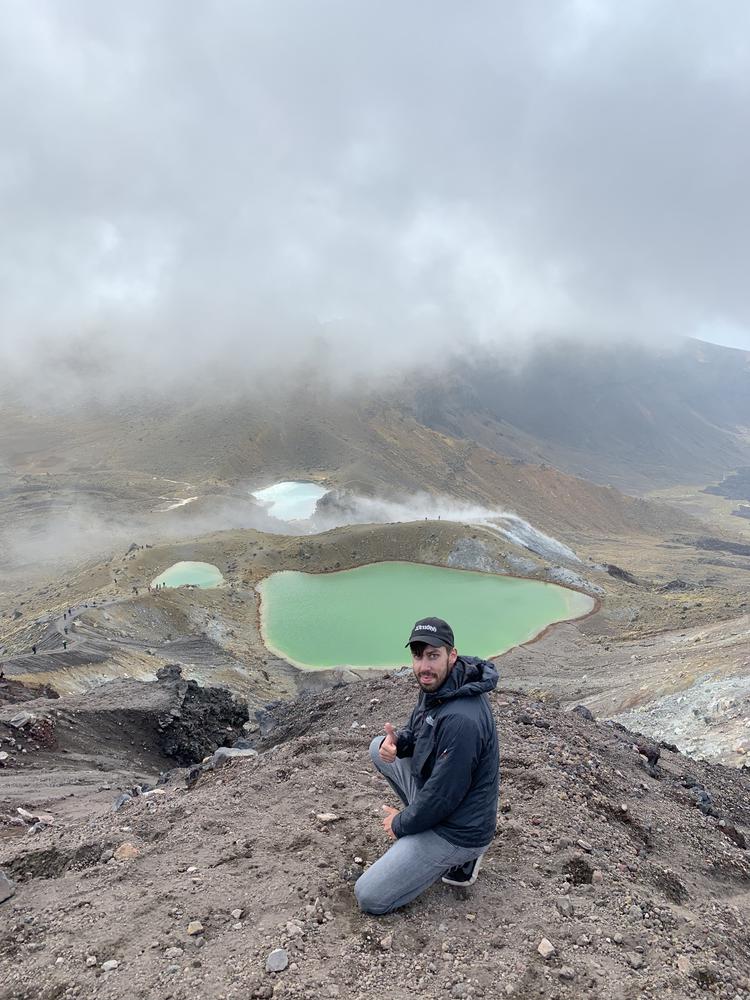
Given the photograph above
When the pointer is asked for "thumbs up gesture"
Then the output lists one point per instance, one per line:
(388, 746)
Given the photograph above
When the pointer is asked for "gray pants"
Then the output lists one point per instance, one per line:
(413, 863)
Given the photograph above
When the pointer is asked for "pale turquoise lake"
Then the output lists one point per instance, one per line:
(362, 617)
(199, 574)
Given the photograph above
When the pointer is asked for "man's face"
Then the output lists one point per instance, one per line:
(431, 664)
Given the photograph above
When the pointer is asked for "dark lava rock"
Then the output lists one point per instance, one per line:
(688, 781)
(619, 573)
(649, 751)
(193, 775)
(720, 545)
(200, 724)
(705, 803)
(584, 713)
(735, 835)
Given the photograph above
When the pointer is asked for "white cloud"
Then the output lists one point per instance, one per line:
(189, 184)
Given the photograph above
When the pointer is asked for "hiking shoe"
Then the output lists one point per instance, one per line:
(464, 874)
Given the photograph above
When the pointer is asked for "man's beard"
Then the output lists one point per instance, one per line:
(431, 685)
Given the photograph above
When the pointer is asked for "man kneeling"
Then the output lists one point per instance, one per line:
(444, 766)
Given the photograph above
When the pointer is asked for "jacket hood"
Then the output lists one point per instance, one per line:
(469, 678)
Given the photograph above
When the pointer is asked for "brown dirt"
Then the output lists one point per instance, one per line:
(641, 894)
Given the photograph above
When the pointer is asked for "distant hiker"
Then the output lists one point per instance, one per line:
(33, 650)
(65, 643)
(444, 766)
(65, 630)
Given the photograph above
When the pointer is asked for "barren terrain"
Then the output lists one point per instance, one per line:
(636, 873)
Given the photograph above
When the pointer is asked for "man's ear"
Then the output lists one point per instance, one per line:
(452, 657)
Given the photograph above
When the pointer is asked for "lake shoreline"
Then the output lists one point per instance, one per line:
(534, 635)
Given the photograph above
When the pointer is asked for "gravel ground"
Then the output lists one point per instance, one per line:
(634, 875)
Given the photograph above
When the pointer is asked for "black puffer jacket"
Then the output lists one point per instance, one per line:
(452, 741)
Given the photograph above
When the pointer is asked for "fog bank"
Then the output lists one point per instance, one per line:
(191, 189)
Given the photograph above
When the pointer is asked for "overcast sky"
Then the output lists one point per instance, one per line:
(366, 182)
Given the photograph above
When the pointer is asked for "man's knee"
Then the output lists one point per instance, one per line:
(369, 898)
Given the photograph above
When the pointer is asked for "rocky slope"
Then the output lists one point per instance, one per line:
(630, 416)
(632, 865)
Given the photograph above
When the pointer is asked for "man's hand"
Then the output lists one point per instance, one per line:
(388, 746)
(390, 812)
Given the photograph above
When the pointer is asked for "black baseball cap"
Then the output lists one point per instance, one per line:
(433, 631)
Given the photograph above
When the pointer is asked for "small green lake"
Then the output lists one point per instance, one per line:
(362, 617)
(196, 574)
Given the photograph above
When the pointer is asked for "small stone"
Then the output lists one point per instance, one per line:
(224, 754)
(617, 938)
(635, 912)
(195, 927)
(293, 930)
(173, 952)
(237, 914)
(277, 961)
(386, 943)
(546, 949)
(635, 961)
(565, 906)
(326, 818)
(91, 961)
(597, 877)
(110, 965)
(584, 845)
(684, 964)
(567, 973)
(191, 870)
(126, 852)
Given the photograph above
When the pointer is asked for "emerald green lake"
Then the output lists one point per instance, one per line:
(198, 574)
(362, 617)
